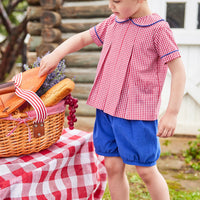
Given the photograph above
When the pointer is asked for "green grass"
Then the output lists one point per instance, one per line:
(184, 176)
(138, 190)
(165, 154)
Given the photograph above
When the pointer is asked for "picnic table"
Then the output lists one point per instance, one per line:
(68, 170)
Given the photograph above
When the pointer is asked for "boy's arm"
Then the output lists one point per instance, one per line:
(73, 44)
(167, 123)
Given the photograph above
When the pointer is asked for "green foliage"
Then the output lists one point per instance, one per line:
(165, 154)
(192, 154)
(166, 143)
(15, 16)
(3, 30)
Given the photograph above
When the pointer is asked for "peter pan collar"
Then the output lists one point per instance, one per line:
(142, 21)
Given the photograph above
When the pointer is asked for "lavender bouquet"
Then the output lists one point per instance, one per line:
(55, 77)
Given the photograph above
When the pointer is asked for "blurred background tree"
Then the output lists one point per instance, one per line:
(13, 31)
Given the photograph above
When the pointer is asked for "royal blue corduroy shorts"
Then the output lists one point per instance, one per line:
(135, 141)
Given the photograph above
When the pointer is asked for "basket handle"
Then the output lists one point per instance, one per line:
(7, 87)
(32, 98)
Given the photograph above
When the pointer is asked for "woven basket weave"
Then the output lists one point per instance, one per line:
(18, 142)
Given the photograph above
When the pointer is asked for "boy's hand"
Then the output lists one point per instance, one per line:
(167, 125)
(48, 64)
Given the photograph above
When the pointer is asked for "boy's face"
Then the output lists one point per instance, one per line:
(124, 9)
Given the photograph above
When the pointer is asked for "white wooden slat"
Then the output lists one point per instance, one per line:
(191, 15)
(193, 91)
(194, 64)
(156, 7)
(184, 51)
(187, 37)
(188, 121)
(165, 94)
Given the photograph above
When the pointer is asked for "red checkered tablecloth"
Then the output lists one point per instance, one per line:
(68, 170)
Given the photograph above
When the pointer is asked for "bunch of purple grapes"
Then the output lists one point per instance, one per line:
(73, 104)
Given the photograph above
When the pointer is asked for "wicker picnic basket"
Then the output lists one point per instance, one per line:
(18, 143)
(18, 135)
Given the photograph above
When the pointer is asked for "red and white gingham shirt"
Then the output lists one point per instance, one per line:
(132, 66)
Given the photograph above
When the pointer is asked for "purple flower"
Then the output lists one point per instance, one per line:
(55, 77)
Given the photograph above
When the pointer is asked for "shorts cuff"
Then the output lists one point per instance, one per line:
(137, 163)
(108, 154)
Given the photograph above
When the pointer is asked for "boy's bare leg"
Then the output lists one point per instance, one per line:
(155, 182)
(117, 180)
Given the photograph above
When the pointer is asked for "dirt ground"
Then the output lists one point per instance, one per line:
(171, 163)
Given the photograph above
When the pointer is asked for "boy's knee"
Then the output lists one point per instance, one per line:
(146, 173)
(114, 165)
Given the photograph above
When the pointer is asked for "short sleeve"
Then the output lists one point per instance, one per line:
(165, 44)
(98, 32)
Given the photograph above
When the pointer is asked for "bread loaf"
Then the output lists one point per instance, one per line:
(58, 92)
(55, 94)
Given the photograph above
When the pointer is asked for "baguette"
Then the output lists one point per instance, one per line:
(58, 92)
(55, 94)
